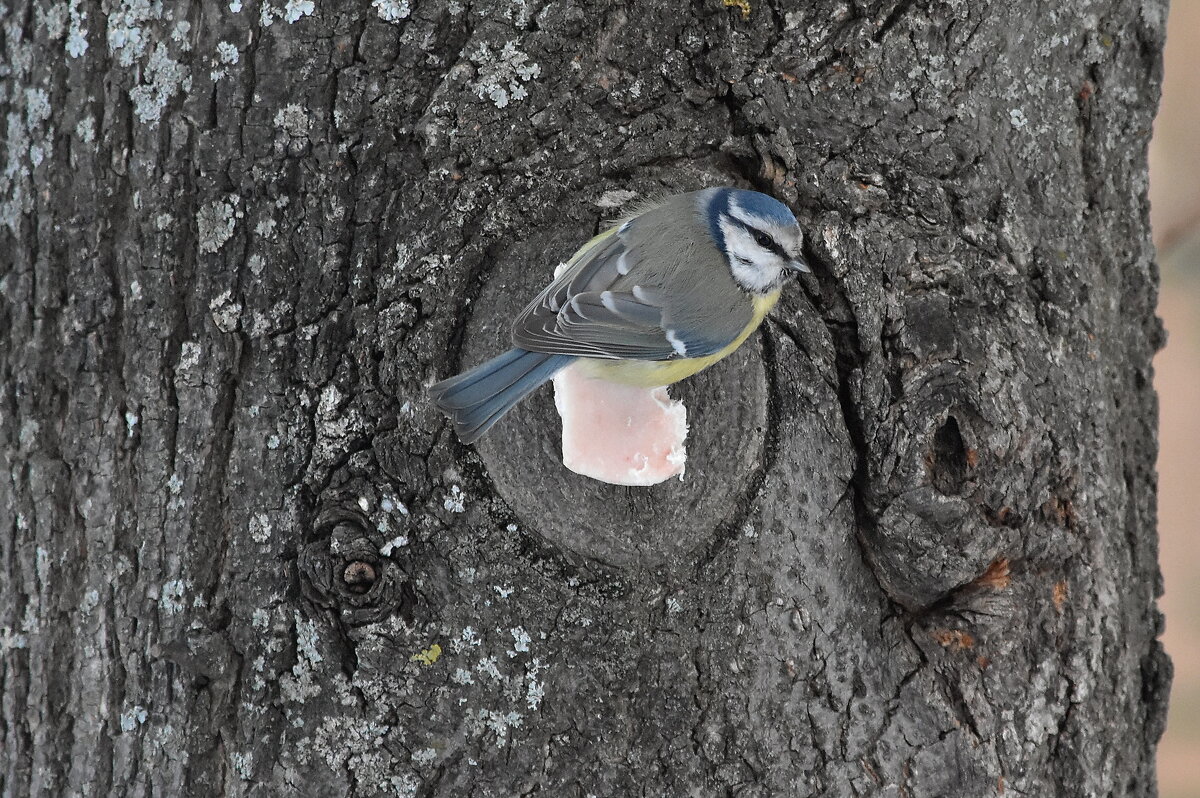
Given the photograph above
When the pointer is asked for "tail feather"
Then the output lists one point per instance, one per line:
(476, 399)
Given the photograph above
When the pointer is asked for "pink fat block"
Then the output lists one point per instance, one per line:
(620, 434)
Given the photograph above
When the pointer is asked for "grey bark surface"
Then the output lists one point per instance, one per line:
(914, 553)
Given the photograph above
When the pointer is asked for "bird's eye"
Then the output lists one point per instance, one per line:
(762, 239)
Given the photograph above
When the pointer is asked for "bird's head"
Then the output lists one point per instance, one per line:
(759, 237)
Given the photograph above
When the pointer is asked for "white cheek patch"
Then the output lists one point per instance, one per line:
(762, 271)
(759, 279)
(737, 241)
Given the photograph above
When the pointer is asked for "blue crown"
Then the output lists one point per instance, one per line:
(763, 206)
(752, 202)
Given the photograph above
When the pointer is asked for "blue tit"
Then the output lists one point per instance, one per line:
(654, 299)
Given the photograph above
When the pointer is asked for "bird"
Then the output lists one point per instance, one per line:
(660, 295)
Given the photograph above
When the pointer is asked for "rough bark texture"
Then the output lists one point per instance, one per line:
(914, 554)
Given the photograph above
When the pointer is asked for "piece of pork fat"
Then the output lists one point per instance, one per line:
(619, 434)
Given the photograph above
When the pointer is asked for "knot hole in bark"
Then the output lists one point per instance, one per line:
(344, 569)
(948, 458)
(360, 577)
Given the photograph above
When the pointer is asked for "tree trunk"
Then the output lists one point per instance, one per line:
(914, 553)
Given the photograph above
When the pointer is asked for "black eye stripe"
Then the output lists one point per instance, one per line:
(761, 237)
(764, 239)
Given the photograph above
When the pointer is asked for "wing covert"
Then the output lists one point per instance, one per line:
(596, 308)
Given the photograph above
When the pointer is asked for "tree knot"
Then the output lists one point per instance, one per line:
(349, 567)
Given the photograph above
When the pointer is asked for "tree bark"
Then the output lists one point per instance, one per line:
(914, 553)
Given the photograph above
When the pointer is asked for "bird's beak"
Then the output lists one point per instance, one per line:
(799, 265)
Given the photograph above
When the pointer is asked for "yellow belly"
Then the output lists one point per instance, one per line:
(653, 373)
